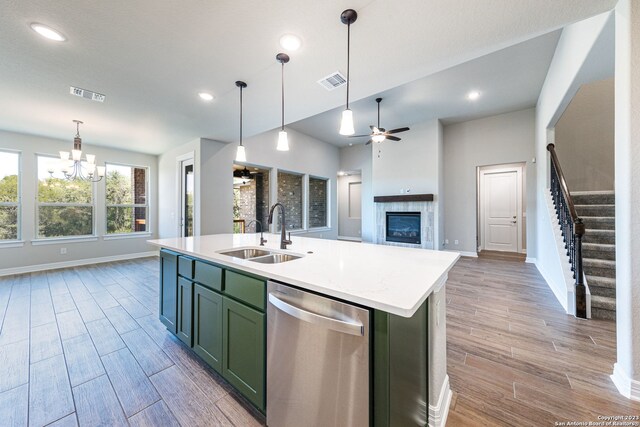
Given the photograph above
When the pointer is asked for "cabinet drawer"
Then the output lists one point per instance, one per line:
(209, 275)
(185, 267)
(245, 288)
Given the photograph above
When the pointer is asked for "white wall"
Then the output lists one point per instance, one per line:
(30, 255)
(584, 138)
(580, 57)
(358, 157)
(214, 178)
(626, 375)
(505, 138)
(411, 166)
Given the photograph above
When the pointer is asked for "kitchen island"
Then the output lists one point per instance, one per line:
(217, 304)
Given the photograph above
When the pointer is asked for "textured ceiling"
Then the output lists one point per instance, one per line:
(151, 58)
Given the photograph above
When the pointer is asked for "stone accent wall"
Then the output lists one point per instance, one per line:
(426, 222)
(317, 202)
(290, 195)
(253, 201)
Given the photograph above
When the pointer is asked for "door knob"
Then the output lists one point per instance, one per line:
(513, 222)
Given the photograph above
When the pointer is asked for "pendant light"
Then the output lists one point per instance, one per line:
(241, 155)
(283, 141)
(348, 17)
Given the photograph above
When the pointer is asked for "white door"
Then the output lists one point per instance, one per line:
(501, 207)
(350, 207)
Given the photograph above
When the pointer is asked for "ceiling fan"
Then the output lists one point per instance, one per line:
(379, 134)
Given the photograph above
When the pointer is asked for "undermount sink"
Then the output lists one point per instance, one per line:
(246, 253)
(275, 258)
(260, 255)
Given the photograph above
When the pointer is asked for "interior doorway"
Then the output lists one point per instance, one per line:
(350, 206)
(250, 198)
(187, 197)
(501, 208)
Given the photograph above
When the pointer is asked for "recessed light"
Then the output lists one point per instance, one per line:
(48, 32)
(290, 42)
(473, 95)
(205, 96)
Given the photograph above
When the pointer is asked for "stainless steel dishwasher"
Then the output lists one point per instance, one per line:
(317, 360)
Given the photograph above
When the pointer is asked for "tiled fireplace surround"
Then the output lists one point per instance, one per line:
(426, 221)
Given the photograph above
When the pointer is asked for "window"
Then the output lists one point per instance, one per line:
(290, 195)
(64, 207)
(9, 195)
(127, 201)
(318, 189)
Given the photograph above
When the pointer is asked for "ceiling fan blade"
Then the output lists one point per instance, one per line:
(393, 138)
(372, 127)
(357, 136)
(368, 142)
(397, 130)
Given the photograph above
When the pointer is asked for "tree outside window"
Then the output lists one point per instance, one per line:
(64, 207)
(127, 201)
(9, 195)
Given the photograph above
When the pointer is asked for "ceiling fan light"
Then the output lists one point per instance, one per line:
(283, 141)
(346, 125)
(241, 155)
(378, 138)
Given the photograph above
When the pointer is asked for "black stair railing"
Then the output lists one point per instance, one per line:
(572, 229)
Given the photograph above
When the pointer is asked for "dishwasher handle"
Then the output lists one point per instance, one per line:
(352, 328)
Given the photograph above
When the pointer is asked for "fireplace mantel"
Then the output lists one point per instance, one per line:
(404, 198)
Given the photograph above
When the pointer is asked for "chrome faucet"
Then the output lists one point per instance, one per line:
(262, 239)
(283, 237)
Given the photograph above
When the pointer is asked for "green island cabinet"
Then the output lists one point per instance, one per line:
(220, 314)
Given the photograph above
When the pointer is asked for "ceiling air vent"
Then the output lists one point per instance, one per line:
(333, 81)
(87, 94)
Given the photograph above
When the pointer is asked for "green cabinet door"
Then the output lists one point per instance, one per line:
(185, 313)
(243, 360)
(168, 289)
(207, 326)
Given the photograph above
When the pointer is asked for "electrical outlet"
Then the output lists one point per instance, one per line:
(455, 242)
(63, 251)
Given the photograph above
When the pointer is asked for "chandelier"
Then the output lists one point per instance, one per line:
(73, 167)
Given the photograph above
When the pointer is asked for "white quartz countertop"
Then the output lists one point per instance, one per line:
(388, 278)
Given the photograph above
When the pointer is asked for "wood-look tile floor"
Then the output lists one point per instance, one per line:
(84, 346)
(515, 358)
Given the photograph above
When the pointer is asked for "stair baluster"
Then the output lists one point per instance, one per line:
(572, 229)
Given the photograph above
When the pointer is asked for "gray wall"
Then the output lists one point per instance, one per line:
(214, 178)
(412, 166)
(348, 226)
(30, 255)
(584, 138)
(505, 138)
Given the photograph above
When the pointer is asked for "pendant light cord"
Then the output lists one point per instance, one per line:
(282, 78)
(240, 115)
(348, 57)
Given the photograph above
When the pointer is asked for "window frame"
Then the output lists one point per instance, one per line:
(303, 200)
(133, 234)
(18, 203)
(80, 237)
(327, 202)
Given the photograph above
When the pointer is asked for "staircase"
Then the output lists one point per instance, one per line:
(597, 210)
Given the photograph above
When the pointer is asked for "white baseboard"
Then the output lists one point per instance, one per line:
(464, 253)
(438, 414)
(627, 386)
(74, 263)
(531, 260)
(350, 239)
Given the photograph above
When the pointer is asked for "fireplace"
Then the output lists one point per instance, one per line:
(403, 227)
